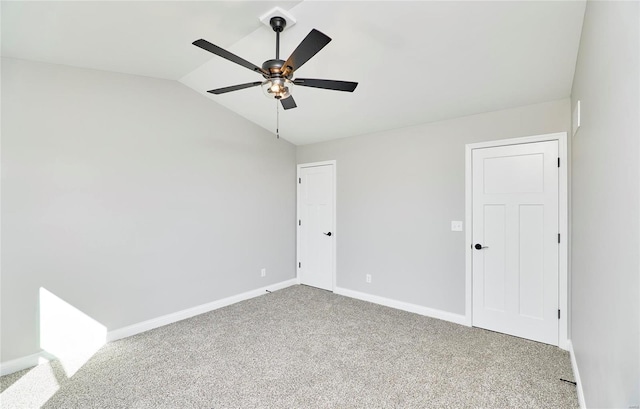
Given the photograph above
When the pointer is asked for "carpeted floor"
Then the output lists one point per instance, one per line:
(307, 348)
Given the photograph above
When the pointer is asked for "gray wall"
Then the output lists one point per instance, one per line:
(131, 198)
(606, 206)
(397, 193)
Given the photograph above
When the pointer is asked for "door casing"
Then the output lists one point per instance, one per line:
(333, 227)
(563, 226)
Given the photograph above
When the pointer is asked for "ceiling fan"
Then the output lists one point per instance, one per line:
(278, 74)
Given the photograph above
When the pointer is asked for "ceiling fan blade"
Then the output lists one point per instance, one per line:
(212, 48)
(326, 84)
(312, 43)
(288, 103)
(234, 88)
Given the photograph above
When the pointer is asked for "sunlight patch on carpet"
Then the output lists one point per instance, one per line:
(33, 389)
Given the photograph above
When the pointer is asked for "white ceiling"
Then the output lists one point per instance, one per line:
(415, 62)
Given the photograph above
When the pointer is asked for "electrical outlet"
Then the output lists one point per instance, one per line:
(368, 278)
(263, 272)
(456, 225)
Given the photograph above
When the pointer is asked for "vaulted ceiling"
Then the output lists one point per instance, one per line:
(416, 62)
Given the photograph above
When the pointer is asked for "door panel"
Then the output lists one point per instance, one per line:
(515, 219)
(499, 171)
(316, 192)
(494, 262)
(531, 261)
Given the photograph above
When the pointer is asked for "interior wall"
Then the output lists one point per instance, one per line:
(399, 190)
(131, 197)
(606, 206)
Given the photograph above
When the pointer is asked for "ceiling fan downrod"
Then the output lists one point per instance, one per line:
(278, 24)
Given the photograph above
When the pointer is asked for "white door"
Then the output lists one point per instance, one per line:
(515, 240)
(316, 225)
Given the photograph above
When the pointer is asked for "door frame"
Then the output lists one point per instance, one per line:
(333, 222)
(563, 226)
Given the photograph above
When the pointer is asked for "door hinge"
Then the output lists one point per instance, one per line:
(299, 264)
(558, 162)
(299, 180)
(299, 222)
(558, 314)
(558, 237)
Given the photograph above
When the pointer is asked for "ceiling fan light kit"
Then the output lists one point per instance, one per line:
(277, 88)
(278, 74)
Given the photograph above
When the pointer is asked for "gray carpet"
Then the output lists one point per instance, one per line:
(306, 348)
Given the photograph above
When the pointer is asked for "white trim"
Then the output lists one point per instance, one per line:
(19, 364)
(563, 251)
(312, 164)
(400, 305)
(143, 326)
(563, 226)
(576, 375)
(468, 211)
(25, 362)
(335, 210)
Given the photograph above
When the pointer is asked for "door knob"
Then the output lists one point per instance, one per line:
(327, 234)
(480, 246)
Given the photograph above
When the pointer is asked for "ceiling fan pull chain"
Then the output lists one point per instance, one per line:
(277, 118)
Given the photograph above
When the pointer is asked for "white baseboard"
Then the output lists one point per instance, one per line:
(418, 309)
(563, 343)
(25, 362)
(143, 326)
(576, 375)
(32, 360)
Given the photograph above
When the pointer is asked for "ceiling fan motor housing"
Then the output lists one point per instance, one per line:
(274, 67)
